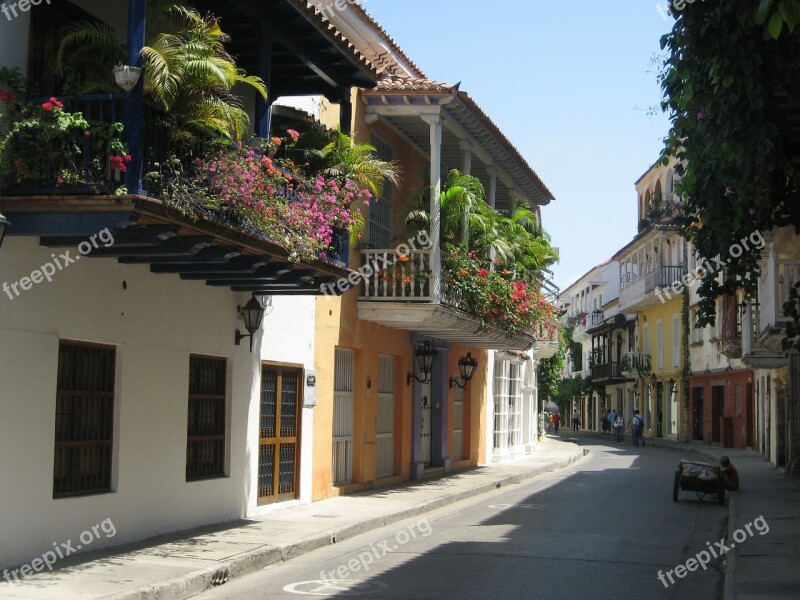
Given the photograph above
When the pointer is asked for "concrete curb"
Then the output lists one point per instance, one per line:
(731, 557)
(191, 584)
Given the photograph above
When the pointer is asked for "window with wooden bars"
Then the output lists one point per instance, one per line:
(205, 441)
(84, 419)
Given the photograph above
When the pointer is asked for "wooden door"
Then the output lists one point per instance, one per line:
(279, 434)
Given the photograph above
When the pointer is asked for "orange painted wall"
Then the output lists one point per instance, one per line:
(337, 324)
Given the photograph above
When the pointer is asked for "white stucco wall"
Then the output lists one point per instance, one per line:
(155, 324)
(288, 338)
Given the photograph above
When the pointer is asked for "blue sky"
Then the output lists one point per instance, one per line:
(569, 83)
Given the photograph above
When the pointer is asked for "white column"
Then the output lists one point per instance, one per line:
(490, 199)
(435, 122)
(466, 170)
(467, 167)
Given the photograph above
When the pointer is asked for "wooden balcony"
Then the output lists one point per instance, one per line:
(404, 292)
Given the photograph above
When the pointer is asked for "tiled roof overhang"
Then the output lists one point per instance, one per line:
(401, 100)
(146, 231)
(309, 56)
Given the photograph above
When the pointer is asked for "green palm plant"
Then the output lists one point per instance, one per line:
(187, 71)
(358, 163)
(461, 198)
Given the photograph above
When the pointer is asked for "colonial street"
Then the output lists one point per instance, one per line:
(601, 528)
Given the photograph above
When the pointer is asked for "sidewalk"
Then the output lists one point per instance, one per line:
(763, 566)
(184, 565)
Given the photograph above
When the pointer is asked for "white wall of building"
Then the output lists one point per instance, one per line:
(155, 322)
(287, 337)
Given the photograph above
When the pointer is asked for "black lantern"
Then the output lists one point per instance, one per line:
(3, 225)
(466, 369)
(252, 314)
(426, 358)
(653, 380)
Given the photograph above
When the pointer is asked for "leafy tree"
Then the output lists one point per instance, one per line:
(730, 86)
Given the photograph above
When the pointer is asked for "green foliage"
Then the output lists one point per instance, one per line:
(497, 299)
(519, 245)
(358, 163)
(775, 15)
(730, 90)
(47, 146)
(187, 71)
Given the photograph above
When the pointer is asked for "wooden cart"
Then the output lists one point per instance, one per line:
(701, 478)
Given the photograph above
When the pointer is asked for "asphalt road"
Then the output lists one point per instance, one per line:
(601, 529)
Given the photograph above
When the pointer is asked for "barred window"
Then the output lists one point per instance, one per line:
(84, 419)
(205, 441)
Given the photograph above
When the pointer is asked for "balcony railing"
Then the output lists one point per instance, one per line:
(398, 278)
(158, 143)
(635, 364)
(606, 371)
(588, 321)
(635, 288)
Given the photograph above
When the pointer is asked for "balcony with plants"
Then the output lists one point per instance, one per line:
(584, 322)
(635, 365)
(486, 288)
(298, 193)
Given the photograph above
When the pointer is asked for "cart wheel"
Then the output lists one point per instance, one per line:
(722, 492)
(676, 486)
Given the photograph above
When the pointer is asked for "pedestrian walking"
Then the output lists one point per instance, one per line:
(612, 419)
(556, 421)
(636, 429)
(576, 420)
(619, 425)
(606, 422)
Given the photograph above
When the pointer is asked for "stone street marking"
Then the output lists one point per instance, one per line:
(328, 587)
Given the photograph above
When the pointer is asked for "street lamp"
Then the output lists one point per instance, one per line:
(252, 314)
(466, 368)
(653, 380)
(426, 358)
(3, 226)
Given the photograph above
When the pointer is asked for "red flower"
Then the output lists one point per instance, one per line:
(7, 97)
(483, 272)
(87, 133)
(276, 141)
(60, 180)
(47, 106)
(293, 134)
